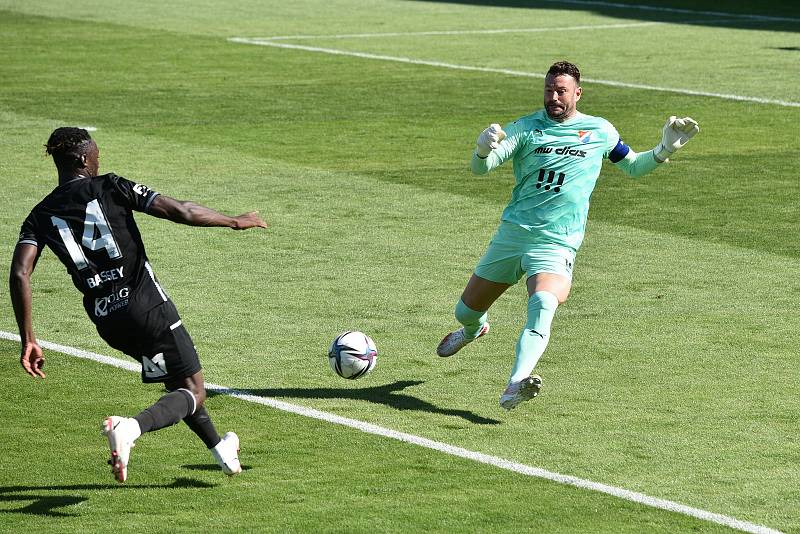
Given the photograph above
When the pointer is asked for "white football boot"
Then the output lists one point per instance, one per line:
(455, 341)
(121, 433)
(521, 391)
(226, 454)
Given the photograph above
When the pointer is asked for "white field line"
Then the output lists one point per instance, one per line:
(461, 32)
(507, 72)
(643, 7)
(368, 428)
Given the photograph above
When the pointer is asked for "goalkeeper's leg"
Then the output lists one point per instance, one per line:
(546, 290)
(471, 312)
(536, 334)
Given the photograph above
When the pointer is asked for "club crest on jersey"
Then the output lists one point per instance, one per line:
(584, 136)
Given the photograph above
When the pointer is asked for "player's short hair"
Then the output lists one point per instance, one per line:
(565, 67)
(67, 145)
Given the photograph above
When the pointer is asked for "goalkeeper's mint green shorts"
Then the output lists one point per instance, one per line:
(513, 252)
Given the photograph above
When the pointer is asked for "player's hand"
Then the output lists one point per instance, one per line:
(248, 220)
(31, 359)
(489, 139)
(675, 134)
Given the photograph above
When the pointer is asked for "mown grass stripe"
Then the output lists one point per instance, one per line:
(508, 72)
(664, 9)
(369, 428)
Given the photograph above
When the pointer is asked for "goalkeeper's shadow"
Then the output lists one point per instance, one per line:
(391, 395)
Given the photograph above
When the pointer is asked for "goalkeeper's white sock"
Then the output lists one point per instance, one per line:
(534, 337)
(472, 320)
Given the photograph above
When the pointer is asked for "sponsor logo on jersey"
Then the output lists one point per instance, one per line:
(141, 189)
(563, 151)
(105, 276)
(111, 303)
(585, 136)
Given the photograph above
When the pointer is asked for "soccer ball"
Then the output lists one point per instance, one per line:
(352, 355)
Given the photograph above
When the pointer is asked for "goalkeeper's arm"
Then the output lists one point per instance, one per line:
(674, 135)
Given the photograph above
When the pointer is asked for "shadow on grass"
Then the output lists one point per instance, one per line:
(46, 505)
(779, 15)
(209, 467)
(388, 394)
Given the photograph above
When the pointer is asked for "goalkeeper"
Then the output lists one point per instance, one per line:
(556, 155)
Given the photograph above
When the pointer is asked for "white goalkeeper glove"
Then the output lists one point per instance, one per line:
(675, 134)
(489, 139)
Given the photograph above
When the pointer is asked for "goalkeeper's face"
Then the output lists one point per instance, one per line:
(561, 95)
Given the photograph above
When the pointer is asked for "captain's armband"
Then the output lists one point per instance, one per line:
(619, 152)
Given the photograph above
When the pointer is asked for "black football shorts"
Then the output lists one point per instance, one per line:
(156, 338)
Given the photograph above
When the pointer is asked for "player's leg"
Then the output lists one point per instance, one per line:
(225, 450)
(122, 432)
(471, 312)
(188, 376)
(169, 358)
(546, 290)
(498, 269)
(131, 333)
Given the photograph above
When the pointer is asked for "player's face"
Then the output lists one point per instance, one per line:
(561, 95)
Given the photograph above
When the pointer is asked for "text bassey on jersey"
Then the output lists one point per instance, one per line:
(105, 276)
(563, 151)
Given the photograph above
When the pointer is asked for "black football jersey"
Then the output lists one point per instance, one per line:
(88, 223)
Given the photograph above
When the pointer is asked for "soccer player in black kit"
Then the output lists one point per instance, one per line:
(87, 221)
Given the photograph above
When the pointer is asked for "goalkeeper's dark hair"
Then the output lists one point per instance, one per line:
(565, 67)
(67, 145)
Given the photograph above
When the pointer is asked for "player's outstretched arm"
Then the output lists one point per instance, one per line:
(675, 134)
(193, 214)
(19, 282)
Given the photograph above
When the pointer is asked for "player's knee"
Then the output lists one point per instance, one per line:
(199, 396)
(544, 300)
(563, 296)
(197, 390)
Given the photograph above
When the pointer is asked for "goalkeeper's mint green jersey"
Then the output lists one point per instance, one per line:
(556, 165)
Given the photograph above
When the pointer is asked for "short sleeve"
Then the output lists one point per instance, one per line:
(29, 234)
(137, 196)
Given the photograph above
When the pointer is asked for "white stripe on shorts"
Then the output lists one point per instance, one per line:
(176, 325)
(153, 277)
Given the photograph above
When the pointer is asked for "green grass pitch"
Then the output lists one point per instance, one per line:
(672, 370)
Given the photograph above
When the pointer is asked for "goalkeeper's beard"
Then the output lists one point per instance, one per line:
(557, 112)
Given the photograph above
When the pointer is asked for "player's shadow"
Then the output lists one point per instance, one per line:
(389, 394)
(48, 505)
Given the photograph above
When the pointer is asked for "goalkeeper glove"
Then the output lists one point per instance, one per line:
(489, 139)
(675, 134)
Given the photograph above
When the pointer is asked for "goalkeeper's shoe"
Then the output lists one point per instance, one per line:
(455, 341)
(226, 454)
(121, 433)
(521, 391)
